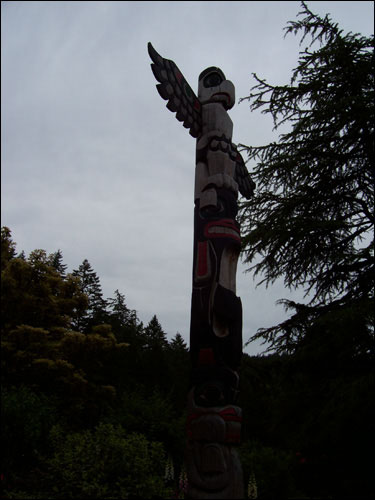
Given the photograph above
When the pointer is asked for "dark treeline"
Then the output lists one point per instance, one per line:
(93, 401)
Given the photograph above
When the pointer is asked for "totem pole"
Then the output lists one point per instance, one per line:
(214, 421)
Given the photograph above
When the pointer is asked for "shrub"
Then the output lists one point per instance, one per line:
(106, 463)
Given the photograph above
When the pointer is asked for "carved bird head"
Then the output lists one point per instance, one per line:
(214, 87)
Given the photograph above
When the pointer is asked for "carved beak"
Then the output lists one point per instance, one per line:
(222, 97)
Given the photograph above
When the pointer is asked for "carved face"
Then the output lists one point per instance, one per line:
(214, 87)
(214, 469)
(216, 319)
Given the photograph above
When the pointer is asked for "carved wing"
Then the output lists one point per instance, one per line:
(174, 88)
(246, 185)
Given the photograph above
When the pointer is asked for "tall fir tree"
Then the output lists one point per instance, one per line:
(156, 338)
(119, 311)
(8, 246)
(124, 321)
(56, 260)
(90, 285)
(178, 344)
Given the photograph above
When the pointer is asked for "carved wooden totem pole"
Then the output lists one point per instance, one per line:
(214, 421)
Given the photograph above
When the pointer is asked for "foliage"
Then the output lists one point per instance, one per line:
(35, 294)
(123, 320)
(106, 463)
(155, 415)
(155, 337)
(79, 378)
(8, 247)
(56, 261)
(89, 283)
(310, 223)
(311, 219)
(96, 413)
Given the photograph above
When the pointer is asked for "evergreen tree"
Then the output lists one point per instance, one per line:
(90, 285)
(8, 247)
(178, 344)
(120, 314)
(126, 325)
(311, 220)
(156, 338)
(56, 260)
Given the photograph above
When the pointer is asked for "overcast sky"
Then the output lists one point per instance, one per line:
(94, 164)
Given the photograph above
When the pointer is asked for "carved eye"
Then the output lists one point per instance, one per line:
(212, 211)
(212, 80)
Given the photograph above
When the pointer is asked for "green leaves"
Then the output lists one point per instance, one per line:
(106, 463)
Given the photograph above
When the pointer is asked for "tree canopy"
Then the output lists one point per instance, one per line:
(311, 219)
(81, 378)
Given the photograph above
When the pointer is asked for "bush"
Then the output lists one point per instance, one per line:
(106, 463)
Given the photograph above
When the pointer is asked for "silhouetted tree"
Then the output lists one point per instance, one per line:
(56, 260)
(312, 216)
(8, 247)
(90, 286)
(156, 338)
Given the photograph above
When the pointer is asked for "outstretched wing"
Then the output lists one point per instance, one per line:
(246, 185)
(175, 89)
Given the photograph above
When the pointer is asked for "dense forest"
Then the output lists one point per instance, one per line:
(93, 401)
